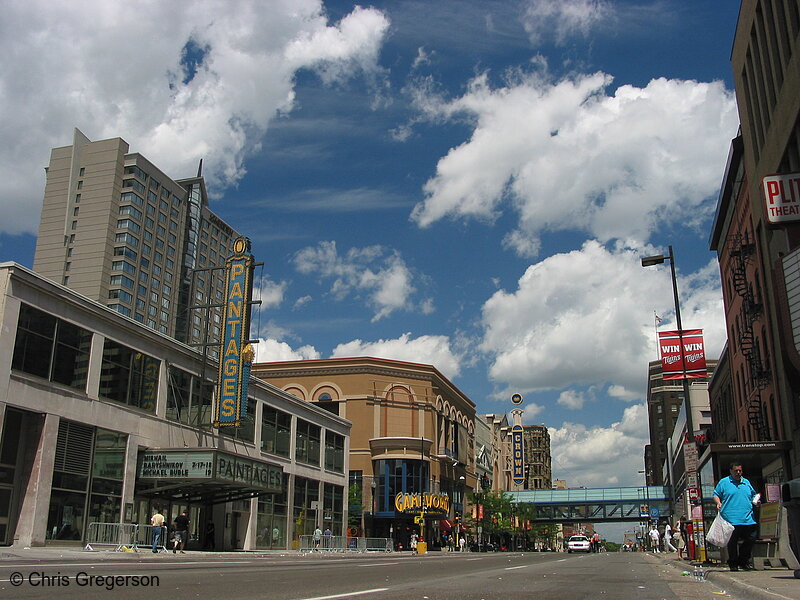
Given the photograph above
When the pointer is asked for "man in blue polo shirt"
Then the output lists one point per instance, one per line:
(734, 496)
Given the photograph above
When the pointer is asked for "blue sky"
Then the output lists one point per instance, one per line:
(467, 184)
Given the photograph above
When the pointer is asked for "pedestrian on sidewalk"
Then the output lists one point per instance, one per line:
(668, 536)
(317, 538)
(157, 522)
(209, 543)
(181, 532)
(735, 498)
(654, 538)
(677, 540)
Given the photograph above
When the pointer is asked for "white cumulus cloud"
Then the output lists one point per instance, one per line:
(272, 350)
(433, 350)
(569, 156)
(601, 456)
(376, 272)
(270, 293)
(585, 318)
(128, 75)
(575, 399)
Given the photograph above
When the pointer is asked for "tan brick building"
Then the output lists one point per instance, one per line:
(413, 433)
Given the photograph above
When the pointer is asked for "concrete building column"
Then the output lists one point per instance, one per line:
(35, 503)
(2, 419)
(163, 390)
(129, 481)
(290, 511)
(252, 526)
(95, 366)
(9, 317)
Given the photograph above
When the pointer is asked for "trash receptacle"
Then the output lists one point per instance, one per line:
(422, 547)
(790, 498)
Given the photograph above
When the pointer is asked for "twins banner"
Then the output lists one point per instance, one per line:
(693, 349)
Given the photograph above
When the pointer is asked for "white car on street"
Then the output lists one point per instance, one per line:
(578, 543)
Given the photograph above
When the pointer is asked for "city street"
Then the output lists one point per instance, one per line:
(435, 576)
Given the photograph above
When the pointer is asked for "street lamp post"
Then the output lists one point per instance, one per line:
(649, 261)
(649, 518)
(646, 492)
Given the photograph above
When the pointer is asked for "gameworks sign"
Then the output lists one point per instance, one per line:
(693, 350)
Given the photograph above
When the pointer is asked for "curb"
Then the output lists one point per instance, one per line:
(725, 580)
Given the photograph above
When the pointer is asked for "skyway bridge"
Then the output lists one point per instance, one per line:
(598, 504)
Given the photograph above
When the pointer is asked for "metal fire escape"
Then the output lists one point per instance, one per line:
(742, 251)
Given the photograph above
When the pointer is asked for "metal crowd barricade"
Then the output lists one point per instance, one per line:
(118, 535)
(144, 538)
(343, 543)
(377, 544)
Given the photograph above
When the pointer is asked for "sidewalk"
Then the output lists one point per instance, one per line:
(769, 584)
(53, 553)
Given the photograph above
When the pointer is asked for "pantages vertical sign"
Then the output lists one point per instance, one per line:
(231, 384)
(693, 351)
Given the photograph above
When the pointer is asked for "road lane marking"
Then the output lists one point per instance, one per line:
(469, 559)
(520, 567)
(348, 594)
(379, 564)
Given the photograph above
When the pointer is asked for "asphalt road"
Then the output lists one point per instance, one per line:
(435, 576)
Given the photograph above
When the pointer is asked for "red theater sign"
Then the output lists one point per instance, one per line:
(782, 197)
(693, 350)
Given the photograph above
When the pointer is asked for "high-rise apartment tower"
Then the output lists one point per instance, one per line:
(117, 229)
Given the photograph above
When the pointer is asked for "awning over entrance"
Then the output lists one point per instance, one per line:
(445, 525)
(204, 475)
(753, 455)
(757, 458)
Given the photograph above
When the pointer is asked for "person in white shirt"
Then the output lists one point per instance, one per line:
(654, 538)
(668, 547)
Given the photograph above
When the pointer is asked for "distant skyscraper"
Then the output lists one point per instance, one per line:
(664, 399)
(117, 229)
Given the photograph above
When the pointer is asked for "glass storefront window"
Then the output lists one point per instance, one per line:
(306, 491)
(334, 452)
(307, 441)
(65, 518)
(187, 403)
(333, 507)
(271, 521)
(398, 476)
(51, 348)
(88, 473)
(108, 473)
(128, 377)
(276, 428)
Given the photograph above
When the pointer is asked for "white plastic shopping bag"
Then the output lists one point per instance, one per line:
(720, 532)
